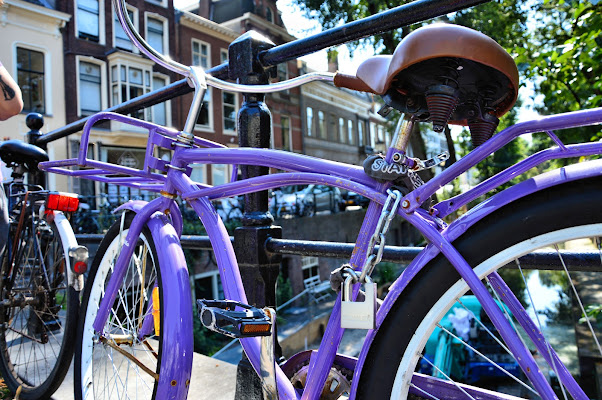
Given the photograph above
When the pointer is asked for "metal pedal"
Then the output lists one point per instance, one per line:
(234, 319)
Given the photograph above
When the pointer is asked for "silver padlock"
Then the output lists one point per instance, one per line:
(358, 314)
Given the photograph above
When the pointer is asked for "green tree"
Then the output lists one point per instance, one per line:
(504, 20)
(568, 63)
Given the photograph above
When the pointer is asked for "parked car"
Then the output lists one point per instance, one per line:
(305, 200)
(349, 198)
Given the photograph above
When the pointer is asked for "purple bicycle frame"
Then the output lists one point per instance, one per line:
(304, 170)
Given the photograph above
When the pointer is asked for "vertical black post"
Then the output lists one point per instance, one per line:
(35, 122)
(259, 270)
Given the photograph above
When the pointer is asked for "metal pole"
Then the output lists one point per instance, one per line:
(258, 268)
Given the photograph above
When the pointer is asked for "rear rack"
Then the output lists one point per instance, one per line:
(153, 174)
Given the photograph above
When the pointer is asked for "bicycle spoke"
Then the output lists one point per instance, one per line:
(486, 358)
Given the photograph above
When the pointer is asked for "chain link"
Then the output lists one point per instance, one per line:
(378, 238)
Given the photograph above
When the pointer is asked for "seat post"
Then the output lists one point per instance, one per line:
(35, 122)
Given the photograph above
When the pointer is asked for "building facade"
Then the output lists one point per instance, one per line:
(32, 52)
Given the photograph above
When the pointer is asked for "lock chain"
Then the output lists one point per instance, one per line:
(378, 238)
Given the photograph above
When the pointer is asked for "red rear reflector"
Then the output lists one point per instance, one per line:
(80, 267)
(66, 202)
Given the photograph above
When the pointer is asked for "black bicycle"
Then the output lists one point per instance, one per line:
(40, 278)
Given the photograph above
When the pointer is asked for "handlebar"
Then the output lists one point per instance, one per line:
(197, 75)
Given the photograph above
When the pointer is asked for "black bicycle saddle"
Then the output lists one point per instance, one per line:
(17, 152)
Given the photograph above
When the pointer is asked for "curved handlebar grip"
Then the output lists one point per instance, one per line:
(351, 82)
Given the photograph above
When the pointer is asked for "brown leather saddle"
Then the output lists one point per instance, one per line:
(445, 74)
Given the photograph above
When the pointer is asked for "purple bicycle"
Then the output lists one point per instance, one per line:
(135, 338)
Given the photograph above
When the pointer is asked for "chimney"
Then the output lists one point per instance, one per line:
(333, 60)
(204, 7)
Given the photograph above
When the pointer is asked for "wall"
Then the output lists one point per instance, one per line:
(36, 27)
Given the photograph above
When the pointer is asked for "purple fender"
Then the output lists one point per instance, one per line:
(457, 228)
(137, 205)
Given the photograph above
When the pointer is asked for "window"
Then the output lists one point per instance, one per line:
(199, 173)
(155, 34)
(90, 94)
(128, 82)
(121, 40)
(88, 21)
(360, 133)
(219, 174)
(30, 77)
(269, 15)
(282, 71)
(310, 121)
(321, 125)
(333, 127)
(205, 118)
(342, 129)
(285, 123)
(350, 137)
(230, 105)
(127, 157)
(381, 134)
(200, 54)
(159, 111)
(373, 140)
(207, 285)
(310, 267)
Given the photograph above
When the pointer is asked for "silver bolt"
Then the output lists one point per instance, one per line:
(405, 204)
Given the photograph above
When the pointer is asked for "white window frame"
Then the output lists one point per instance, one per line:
(101, 21)
(309, 120)
(322, 126)
(167, 103)
(48, 99)
(164, 21)
(209, 126)
(350, 132)
(223, 55)
(342, 130)
(135, 21)
(224, 130)
(201, 43)
(103, 81)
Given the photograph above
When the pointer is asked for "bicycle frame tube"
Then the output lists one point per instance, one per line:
(545, 124)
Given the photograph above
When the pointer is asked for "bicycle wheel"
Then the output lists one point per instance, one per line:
(120, 361)
(39, 320)
(417, 334)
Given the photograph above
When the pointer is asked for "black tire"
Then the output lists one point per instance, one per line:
(88, 375)
(574, 204)
(36, 340)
